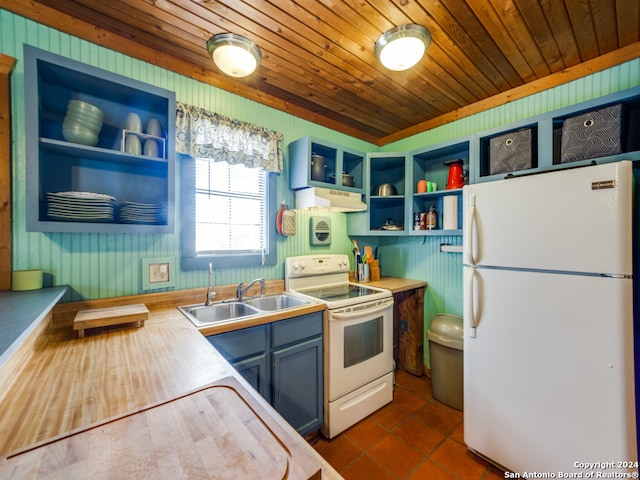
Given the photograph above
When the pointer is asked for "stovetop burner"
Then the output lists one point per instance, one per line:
(325, 278)
(332, 293)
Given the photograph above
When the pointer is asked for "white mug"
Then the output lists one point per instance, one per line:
(154, 128)
(133, 123)
(132, 145)
(151, 148)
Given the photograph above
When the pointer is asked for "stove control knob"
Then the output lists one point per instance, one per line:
(302, 265)
(295, 265)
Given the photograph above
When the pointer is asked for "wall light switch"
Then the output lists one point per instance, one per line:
(158, 273)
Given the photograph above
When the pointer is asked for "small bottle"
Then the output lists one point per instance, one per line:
(416, 221)
(432, 218)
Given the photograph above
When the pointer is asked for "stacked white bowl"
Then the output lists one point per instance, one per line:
(83, 123)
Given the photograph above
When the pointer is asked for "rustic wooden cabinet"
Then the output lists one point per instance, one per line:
(408, 330)
(6, 67)
(283, 361)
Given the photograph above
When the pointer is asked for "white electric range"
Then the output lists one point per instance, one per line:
(358, 337)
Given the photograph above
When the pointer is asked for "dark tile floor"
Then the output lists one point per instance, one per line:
(414, 437)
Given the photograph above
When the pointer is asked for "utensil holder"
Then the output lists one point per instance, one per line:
(363, 273)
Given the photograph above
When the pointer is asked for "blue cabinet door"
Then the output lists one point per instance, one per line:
(241, 344)
(255, 370)
(283, 362)
(246, 351)
(297, 384)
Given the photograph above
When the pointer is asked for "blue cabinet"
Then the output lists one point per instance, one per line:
(56, 163)
(387, 214)
(246, 350)
(297, 384)
(255, 370)
(393, 215)
(428, 164)
(283, 361)
(319, 163)
(546, 133)
(404, 170)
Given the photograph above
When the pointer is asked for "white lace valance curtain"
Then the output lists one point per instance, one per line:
(203, 134)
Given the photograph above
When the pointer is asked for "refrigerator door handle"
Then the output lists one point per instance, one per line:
(468, 230)
(468, 301)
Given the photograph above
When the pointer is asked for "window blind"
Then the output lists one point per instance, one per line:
(230, 208)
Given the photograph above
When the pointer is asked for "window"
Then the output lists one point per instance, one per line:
(226, 215)
(229, 172)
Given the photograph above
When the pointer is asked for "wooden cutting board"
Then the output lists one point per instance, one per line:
(219, 432)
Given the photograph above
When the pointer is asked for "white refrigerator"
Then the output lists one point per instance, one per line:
(548, 321)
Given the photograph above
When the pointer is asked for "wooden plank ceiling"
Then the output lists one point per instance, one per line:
(318, 55)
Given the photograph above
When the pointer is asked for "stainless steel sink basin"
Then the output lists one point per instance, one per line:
(228, 311)
(271, 303)
(202, 315)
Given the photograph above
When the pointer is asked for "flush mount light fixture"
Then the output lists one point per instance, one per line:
(235, 55)
(402, 47)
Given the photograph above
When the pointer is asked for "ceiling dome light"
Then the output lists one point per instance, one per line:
(235, 55)
(402, 47)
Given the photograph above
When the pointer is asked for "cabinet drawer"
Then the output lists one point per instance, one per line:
(240, 344)
(296, 329)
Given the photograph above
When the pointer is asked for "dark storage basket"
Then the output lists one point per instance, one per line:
(592, 135)
(512, 151)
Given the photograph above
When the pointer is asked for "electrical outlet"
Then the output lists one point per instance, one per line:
(158, 272)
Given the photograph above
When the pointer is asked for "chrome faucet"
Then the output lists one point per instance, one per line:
(242, 289)
(210, 293)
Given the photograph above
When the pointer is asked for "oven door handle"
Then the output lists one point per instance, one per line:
(359, 313)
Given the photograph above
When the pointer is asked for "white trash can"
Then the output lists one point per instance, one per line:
(445, 355)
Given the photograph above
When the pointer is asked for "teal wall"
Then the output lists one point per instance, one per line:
(105, 265)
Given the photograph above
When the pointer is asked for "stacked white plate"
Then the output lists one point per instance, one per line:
(82, 123)
(80, 207)
(134, 212)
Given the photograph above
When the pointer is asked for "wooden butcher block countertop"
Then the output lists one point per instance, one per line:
(397, 285)
(141, 402)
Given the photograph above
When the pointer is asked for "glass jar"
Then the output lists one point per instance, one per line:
(432, 218)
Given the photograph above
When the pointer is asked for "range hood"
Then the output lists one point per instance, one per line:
(329, 199)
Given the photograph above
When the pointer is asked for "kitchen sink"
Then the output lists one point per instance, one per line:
(202, 315)
(229, 310)
(271, 303)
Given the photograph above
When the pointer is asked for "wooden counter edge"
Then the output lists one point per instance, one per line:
(397, 285)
